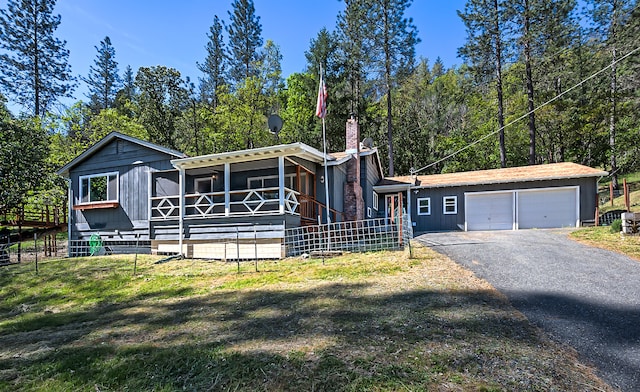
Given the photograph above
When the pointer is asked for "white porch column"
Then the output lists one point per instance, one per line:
(181, 181)
(281, 182)
(227, 189)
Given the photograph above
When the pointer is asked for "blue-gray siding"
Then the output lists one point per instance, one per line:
(130, 218)
(438, 221)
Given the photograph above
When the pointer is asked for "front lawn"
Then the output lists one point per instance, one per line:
(376, 321)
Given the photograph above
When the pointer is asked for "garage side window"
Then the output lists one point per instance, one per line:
(424, 206)
(99, 188)
(450, 205)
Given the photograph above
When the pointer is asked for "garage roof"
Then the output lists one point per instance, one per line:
(552, 171)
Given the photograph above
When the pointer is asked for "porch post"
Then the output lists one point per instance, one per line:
(227, 189)
(281, 182)
(69, 216)
(181, 210)
(409, 205)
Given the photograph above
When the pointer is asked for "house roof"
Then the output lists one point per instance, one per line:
(295, 149)
(343, 156)
(552, 171)
(64, 171)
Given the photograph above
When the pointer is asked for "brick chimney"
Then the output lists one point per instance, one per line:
(353, 200)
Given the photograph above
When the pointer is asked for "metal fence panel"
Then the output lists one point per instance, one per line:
(353, 236)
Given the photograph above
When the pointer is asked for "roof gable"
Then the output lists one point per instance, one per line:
(64, 171)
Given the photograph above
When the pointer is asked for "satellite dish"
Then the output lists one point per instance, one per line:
(275, 124)
(368, 142)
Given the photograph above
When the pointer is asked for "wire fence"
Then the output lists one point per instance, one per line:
(27, 250)
(354, 236)
(96, 246)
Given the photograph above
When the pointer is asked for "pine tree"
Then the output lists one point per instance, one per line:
(608, 17)
(484, 20)
(394, 39)
(34, 69)
(355, 46)
(245, 41)
(103, 79)
(127, 94)
(215, 64)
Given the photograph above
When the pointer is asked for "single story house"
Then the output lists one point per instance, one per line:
(541, 196)
(125, 189)
(128, 190)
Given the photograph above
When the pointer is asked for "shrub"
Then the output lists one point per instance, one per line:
(616, 226)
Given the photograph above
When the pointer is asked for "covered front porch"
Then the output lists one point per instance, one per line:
(275, 187)
(276, 180)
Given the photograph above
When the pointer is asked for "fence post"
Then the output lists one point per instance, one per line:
(135, 259)
(35, 247)
(255, 244)
(238, 248)
(611, 193)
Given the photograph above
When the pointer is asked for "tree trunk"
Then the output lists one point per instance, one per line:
(529, 82)
(612, 99)
(496, 21)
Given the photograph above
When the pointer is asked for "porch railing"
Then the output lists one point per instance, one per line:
(245, 202)
(310, 209)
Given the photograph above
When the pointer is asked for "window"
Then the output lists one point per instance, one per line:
(424, 206)
(375, 201)
(99, 188)
(203, 185)
(272, 181)
(369, 212)
(450, 205)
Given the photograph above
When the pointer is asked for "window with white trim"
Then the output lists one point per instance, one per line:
(424, 206)
(98, 188)
(450, 205)
(375, 201)
(369, 212)
(203, 185)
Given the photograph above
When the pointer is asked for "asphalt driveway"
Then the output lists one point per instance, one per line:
(582, 296)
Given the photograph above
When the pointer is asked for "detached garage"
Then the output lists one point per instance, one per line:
(541, 196)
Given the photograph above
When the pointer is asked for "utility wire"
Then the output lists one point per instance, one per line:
(413, 172)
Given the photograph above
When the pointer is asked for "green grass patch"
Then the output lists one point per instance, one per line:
(379, 321)
(603, 237)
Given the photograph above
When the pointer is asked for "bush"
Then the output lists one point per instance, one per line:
(616, 226)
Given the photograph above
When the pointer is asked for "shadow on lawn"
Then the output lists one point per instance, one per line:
(332, 337)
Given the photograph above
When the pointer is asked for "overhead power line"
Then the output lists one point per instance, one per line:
(526, 114)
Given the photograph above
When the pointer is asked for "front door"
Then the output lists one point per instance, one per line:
(393, 204)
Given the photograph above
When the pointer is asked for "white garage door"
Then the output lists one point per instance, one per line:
(536, 208)
(489, 211)
(547, 208)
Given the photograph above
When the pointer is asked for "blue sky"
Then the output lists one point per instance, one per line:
(173, 33)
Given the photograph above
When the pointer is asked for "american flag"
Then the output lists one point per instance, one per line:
(321, 107)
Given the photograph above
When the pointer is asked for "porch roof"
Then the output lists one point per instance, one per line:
(300, 150)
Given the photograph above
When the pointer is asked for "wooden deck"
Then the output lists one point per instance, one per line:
(47, 217)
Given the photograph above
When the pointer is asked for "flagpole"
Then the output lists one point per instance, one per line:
(321, 111)
(326, 177)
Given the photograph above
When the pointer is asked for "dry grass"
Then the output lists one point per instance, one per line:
(376, 321)
(602, 237)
